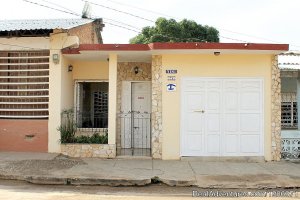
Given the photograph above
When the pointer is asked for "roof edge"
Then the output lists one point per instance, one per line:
(176, 46)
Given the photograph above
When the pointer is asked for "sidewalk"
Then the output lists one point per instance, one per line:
(44, 168)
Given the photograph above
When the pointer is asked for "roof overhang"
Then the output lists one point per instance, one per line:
(143, 52)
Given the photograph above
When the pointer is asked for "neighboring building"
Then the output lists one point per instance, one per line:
(289, 64)
(26, 47)
(173, 100)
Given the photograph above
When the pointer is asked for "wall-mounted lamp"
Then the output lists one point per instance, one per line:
(217, 53)
(136, 70)
(55, 58)
(70, 68)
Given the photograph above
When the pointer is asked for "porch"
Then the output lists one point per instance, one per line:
(113, 94)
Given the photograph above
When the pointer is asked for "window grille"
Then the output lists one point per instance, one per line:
(92, 105)
(24, 84)
(289, 111)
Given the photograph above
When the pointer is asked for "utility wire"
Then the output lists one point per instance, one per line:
(129, 29)
(45, 6)
(116, 25)
(120, 11)
(113, 24)
(143, 9)
(60, 6)
(105, 18)
(76, 14)
(226, 30)
(120, 26)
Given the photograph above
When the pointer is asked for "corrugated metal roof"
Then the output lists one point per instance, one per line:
(289, 61)
(13, 25)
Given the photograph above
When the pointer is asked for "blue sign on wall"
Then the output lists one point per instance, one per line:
(171, 87)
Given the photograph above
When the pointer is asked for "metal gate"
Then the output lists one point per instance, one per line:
(135, 134)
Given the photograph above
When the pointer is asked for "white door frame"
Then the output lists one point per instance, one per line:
(183, 79)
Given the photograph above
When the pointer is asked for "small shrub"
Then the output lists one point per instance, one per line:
(99, 139)
(68, 127)
(82, 139)
(94, 139)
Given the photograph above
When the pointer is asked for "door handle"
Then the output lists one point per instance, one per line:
(201, 111)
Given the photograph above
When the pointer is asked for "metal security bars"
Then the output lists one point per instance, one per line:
(289, 111)
(24, 84)
(290, 147)
(91, 106)
(89, 119)
(135, 134)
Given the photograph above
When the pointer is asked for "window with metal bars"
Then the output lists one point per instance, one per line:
(92, 104)
(24, 84)
(289, 111)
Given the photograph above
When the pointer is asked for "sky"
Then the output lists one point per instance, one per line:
(260, 21)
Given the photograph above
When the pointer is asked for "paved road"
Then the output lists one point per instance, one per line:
(14, 190)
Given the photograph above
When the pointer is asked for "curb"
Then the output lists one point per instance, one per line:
(48, 180)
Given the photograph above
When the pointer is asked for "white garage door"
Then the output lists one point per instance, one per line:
(222, 117)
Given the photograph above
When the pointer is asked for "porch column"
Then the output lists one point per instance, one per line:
(298, 100)
(112, 98)
(157, 135)
(276, 110)
(55, 90)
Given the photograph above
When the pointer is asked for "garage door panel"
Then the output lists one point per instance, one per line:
(195, 122)
(194, 101)
(195, 142)
(213, 123)
(231, 143)
(250, 101)
(231, 122)
(213, 85)
(213, 101)
(231, 84)
(250, 123)
(213, 143)
(194, 85)
(231, 103)
(251, 84)
(250, 143)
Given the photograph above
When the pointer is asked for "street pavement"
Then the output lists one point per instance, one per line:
(56, 169)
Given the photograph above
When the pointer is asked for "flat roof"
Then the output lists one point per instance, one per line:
(144, 52)
(177, 46)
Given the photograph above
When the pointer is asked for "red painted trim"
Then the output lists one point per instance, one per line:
(231, 46)
(175, 46)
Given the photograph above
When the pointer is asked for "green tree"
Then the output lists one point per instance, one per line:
(172, 31)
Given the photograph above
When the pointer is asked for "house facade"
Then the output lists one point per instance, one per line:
(170, 101)
(163, 100)
(25, 69)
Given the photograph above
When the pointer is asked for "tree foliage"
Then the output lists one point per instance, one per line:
(172, 31)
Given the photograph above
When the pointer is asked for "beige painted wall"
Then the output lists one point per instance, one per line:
(92, 70)
(210, 66)
(60, 87)
(20, 43)
(67, 86)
